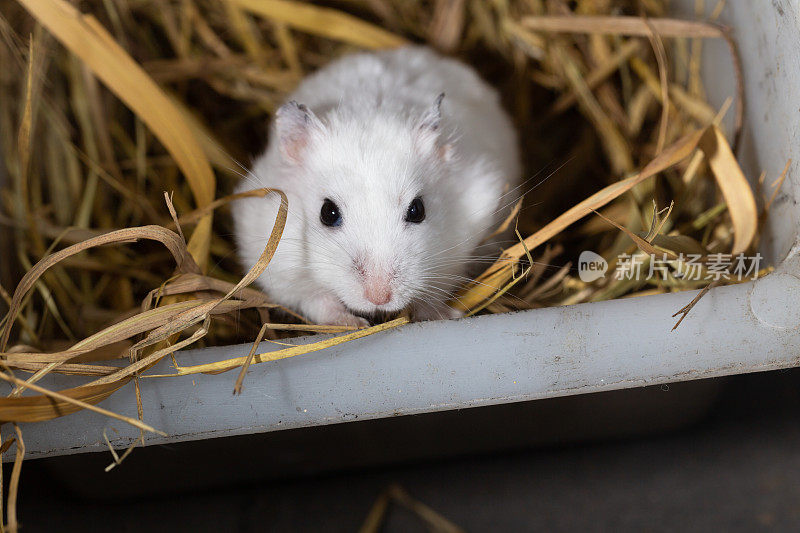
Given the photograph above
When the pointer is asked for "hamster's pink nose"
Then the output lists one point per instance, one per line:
(377, 291)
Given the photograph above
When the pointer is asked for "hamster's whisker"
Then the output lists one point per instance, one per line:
(505, 206)
(534, 187)
(323, 237)
(488, 261)
(464, 280)
(293, 252)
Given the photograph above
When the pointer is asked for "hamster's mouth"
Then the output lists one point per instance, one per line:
(375, 317)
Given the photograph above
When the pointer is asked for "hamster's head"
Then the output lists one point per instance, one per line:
(380, 210)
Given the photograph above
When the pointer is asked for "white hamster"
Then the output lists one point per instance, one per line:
(391, 186)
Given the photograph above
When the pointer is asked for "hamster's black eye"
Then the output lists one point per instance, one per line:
(416, 211)
(330, 215)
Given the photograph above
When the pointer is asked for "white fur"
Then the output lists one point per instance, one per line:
(367, 146)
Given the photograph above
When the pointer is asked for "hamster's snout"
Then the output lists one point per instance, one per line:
(377, 283)
(378, 291)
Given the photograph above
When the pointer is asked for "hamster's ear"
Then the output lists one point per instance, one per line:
(428, 131)
(293, 124)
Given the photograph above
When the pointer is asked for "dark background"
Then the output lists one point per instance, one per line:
(710, 455)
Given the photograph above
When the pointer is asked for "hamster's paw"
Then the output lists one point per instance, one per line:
(437, 311)
(330, 312)
(347, 319)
